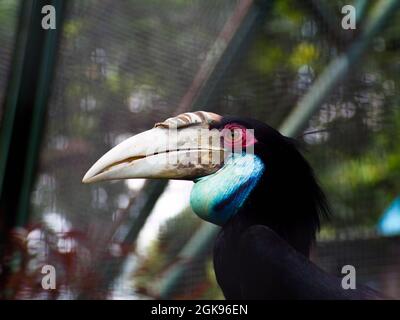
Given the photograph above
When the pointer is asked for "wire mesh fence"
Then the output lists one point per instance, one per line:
(123, 66)
(376, 261)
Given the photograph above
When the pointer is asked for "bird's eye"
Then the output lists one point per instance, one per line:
(236, 135)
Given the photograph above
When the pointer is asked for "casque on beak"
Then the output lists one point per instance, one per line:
(183, 147)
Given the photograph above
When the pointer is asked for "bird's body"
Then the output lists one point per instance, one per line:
(252, 262)
(263, 195)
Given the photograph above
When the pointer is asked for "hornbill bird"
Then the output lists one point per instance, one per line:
(253, 182)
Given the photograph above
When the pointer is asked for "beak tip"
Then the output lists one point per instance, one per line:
(87, 178)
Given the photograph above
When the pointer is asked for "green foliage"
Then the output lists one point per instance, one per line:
(8, 14)
(272, 57)
(361, 186)
(72, 28)
(304, 54)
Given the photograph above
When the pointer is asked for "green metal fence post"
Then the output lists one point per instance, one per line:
(25, 111)
(47, 63)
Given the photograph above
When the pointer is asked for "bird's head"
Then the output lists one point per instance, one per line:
(239, 166)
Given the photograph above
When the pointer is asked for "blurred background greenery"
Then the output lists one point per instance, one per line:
(122, 66)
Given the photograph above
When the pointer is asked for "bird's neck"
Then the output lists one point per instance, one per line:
(218, 197)
(248, 190)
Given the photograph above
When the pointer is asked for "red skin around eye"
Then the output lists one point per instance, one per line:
(245, 139)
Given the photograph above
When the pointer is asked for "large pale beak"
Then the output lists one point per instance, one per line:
(185, 152)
